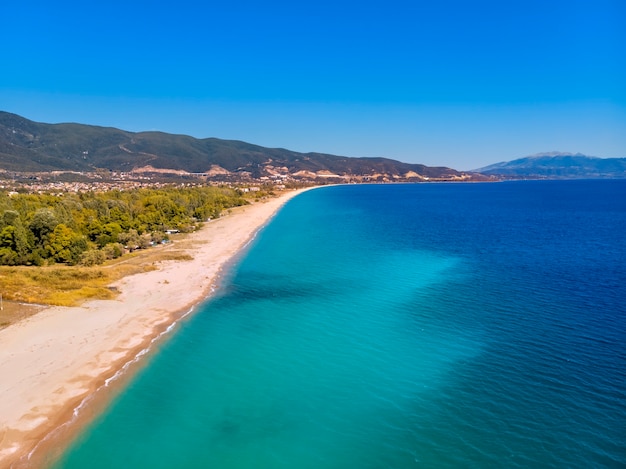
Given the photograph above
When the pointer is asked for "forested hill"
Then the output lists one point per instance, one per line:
(30, 146)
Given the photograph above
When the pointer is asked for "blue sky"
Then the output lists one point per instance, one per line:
(444, 83)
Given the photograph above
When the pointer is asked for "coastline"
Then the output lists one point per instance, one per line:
(53, 362)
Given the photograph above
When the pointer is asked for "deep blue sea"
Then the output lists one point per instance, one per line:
(397, 326)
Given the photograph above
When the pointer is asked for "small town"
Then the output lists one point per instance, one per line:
(58, 182)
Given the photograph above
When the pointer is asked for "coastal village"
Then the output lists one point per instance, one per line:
(103, 181)
(77, 182)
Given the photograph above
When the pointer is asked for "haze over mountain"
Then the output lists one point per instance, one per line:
(28, 146)
(558, 165)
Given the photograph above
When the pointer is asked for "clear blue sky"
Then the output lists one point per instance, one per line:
(448, 82)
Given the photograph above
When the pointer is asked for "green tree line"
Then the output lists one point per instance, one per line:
(88, 228)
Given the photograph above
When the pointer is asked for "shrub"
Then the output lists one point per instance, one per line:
(159, 236)
(92, 257)
(7, 256)
(145, 241)
(113, 250)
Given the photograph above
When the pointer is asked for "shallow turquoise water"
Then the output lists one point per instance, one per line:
(464, 325)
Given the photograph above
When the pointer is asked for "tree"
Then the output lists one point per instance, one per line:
(42, 224)
(9, 217)
(42, 228)
(13, 237)
(109, 234)
(64, 245)
(130, 239)
(8, 256)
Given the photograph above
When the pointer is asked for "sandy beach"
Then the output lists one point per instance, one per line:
(53, 361)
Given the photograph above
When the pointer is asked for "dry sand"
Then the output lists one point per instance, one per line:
(51, 362)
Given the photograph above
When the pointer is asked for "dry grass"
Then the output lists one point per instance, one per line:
(27, 290)
(55, 285)
(72, 285)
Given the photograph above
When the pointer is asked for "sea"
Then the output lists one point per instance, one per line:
(433, 325)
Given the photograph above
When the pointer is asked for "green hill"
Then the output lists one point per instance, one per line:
(27, 146)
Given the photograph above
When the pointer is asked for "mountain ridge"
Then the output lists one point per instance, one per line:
(558, 165)
(26, 145)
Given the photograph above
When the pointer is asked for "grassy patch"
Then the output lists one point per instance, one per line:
(77, 295)
(63, 285)
(56, 285)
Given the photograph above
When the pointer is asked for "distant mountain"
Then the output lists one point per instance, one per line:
(28, 146)
(557, 165)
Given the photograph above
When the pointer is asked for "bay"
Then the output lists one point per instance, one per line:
(409, 325)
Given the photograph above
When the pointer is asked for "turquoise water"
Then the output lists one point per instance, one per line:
(393, 326)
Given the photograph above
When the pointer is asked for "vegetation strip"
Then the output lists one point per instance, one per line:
(89, 228)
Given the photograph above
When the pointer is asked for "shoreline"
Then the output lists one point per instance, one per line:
(56, 363)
